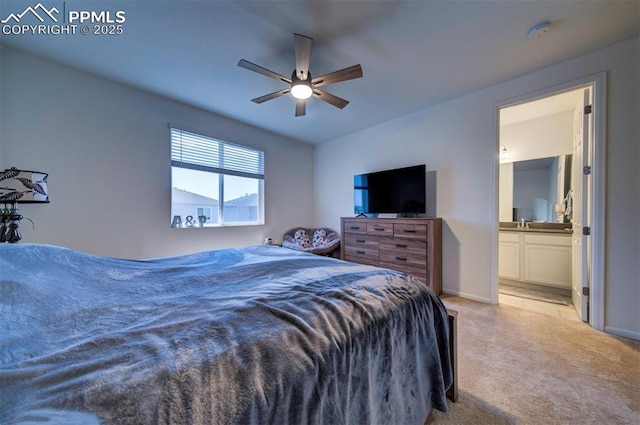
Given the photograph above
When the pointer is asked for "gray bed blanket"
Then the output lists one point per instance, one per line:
(259, 335)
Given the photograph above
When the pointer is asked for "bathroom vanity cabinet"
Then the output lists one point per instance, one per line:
(535, 257)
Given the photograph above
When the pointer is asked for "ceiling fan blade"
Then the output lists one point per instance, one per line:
(329, 98)
(271, 96)
(264, 71)
(301, 107)
(345, 74)
(302, 46)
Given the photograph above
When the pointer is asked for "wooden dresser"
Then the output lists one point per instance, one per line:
(410, 245)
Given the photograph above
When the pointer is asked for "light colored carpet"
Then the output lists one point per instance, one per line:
(532, 294)
(470, 410)
(522, 367)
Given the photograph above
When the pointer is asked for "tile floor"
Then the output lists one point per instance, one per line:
(556, 310)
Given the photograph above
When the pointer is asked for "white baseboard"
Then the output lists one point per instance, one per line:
(467, 296)
(622, 332)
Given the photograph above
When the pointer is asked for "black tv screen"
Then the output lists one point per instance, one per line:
(398, 191)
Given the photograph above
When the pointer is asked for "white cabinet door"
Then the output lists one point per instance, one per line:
(547, 260)
(509, 256)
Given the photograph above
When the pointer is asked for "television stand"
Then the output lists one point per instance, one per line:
(410, 245)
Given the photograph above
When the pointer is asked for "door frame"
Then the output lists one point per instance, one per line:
(597, 207)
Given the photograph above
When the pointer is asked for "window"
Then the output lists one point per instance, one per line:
(215, 183)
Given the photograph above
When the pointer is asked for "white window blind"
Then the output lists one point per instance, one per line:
(198, 152)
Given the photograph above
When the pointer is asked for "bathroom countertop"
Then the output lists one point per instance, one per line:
(554, 228)
(554, 231)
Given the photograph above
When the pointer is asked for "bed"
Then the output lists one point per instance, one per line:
(257, 335)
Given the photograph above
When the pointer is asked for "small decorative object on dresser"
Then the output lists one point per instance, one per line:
(410, 245)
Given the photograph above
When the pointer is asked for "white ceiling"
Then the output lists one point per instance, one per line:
(414, 54)
(550, 105)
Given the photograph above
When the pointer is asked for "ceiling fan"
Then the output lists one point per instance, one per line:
(302, 85)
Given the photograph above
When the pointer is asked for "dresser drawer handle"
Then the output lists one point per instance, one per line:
(360, 241)
(400, 245)
(401, 258)
(354, 227)
(379, 229)
(408, 230)
(361, 252)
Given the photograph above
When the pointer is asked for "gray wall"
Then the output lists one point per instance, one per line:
(457, 141)
(106, 148)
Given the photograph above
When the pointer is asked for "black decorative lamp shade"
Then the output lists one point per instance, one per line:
(19, 186)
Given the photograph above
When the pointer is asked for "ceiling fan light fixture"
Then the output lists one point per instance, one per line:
(301, 85)
(301, 90)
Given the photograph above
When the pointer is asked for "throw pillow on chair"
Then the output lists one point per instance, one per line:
(319, 241)
(320, 237)
(301, 238)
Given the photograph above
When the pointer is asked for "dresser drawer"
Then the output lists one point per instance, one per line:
(381, 229)
(355, 226)
(361, 241)
(403, 259)
(362, 260)
(358, 253)
(408, 230)
(413, 271)
(404, 247)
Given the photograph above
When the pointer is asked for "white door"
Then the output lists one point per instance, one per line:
(579, 203)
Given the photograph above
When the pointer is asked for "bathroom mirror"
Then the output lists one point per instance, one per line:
(542, 190)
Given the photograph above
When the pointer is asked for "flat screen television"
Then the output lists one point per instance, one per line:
(397, 191)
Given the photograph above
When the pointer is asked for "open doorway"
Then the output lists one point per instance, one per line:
(550, 144)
